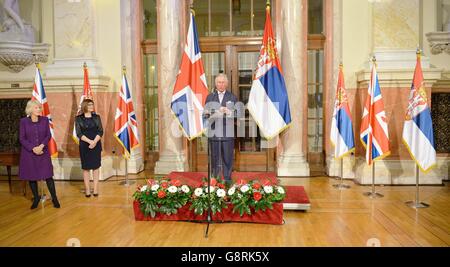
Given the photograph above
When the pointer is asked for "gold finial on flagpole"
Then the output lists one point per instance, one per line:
(374, 60)
(191, 7)
(419, 52)
(36, 62)
(341, 65)
(268, 4)
(85, 65)
(124, 69)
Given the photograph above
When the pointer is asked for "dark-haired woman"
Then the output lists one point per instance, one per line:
(89, 131)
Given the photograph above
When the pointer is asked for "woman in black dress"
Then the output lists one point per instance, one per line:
(89, 130)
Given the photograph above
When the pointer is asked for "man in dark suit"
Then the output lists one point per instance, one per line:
(220, 114)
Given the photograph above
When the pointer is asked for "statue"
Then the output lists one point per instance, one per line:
(13, 26)
(18, 47)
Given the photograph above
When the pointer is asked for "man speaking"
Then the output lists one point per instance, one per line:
(220, 111)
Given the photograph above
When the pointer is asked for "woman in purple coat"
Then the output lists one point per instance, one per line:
(35, 163)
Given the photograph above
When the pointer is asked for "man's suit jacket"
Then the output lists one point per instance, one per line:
(212, 106)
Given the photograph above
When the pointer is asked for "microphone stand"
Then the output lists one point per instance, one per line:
(208, 219)
(219, 140)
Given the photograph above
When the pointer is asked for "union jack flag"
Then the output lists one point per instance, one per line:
(87, 94)
(125, 124)
(39, 95)
(374, 128)
(190, 90)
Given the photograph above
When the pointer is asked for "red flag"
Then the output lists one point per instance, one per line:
(87, 94)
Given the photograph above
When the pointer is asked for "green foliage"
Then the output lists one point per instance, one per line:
(200, 197)
(156, 197)
(253, 196)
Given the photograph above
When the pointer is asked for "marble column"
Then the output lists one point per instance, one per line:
(291, 33)
(131, 57)
(74, 38)
(170, 23)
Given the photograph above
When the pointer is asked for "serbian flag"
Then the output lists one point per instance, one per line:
(190, 90)
(125, 124)
(268, 100)
(341, 123)
(87, 94)
(39, 95)
(418, 127)
(374, 128)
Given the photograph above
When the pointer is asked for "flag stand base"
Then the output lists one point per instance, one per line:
(126, 182)
(341, 185)
(416, 204)
(373, 193)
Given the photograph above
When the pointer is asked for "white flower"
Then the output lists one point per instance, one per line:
(198, 192)
(185, 188)
(172, 189)
(220, 192)
(155, 187)
(211, 188)
(144, 188)
(245, 188)
(268, 189)
(280, 190)
(231, 191)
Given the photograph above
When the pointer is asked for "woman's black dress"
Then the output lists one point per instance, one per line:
(90, 158)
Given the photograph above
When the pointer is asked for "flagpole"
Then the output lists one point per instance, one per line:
(373, 193)
(341, 184)
(127, 182)
(416, 204)
(43, 196)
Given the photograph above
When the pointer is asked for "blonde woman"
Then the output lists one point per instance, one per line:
(35, 163)
(89, 131)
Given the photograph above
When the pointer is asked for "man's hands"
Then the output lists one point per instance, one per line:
(225, 110)
(38, 150)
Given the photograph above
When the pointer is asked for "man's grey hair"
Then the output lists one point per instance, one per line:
(221, 75)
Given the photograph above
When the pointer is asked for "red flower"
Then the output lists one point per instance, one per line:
(256, 186)
(176, 182)
(213, 182)
(147, 193)
(221, 185)
(257, 196)
(164, 184)
(161, 194)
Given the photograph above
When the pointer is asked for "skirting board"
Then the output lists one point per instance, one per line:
(70, 168)
(388, 172)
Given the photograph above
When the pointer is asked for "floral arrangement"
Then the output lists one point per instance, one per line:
(163, 196)
(254, 195)
(218, 196)
(167, 196)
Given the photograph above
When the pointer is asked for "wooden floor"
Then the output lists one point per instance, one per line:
(336, 218)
